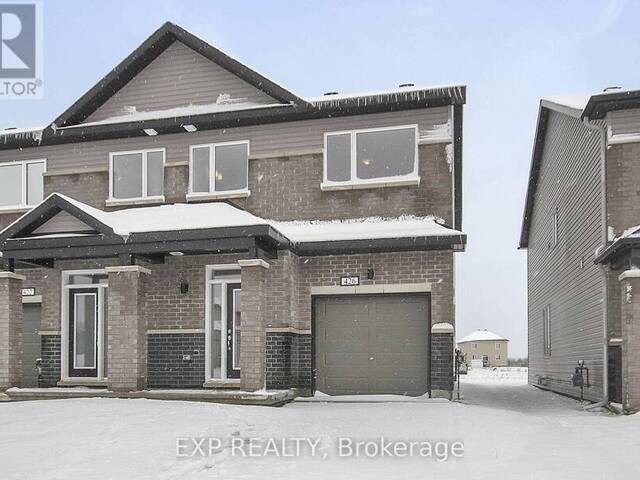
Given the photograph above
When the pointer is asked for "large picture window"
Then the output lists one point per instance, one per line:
(372, 156)
(21, 183)
(137, 175)
(219, 168)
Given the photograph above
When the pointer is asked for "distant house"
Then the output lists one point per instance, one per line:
(484, 345)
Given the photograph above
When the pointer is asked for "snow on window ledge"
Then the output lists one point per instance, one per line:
(198, 197)
(376, 183)
(119, 202)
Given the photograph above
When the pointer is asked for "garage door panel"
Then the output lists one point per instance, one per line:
(347, 385)
(352, 359)
(383, 339)
(354, 339)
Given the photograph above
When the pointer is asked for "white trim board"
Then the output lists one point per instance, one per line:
(364, 289)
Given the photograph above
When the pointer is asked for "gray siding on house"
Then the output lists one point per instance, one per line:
(564, 276)
(264, 139)
(179, 77)
(62, 223)
(624, 122)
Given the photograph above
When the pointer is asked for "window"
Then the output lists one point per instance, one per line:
(475, 345)
(219, 168)
(498, 346)
(546, 329)
(371, 156)
(137, 175)
(498, 357)
(21, 183)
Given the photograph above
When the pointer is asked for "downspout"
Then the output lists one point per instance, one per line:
(602, 131)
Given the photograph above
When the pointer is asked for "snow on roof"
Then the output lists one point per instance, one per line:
(578, 101)
(173, 217)
(481, 335)
(575, 101)
(200, 216)
(408, 89)
(22, 133)
(208, 108)
(363, 228)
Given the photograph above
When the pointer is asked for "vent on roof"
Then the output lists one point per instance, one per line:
(326, 94)
(405, 85)
(615, 87)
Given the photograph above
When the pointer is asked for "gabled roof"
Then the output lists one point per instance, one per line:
(146, 53)
(588, 106)
(482, 335)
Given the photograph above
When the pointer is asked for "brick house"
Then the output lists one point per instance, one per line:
(581, 235)
(189, 223)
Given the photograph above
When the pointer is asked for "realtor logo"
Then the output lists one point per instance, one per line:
(20, 50)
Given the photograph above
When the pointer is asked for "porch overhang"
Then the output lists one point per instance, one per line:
(151, 233)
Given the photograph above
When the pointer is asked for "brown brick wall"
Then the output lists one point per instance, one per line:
(126, 330)
(630, 310)
(288, 188)
(253, 337)
(623, 186)
(435, 267)
(10, 333)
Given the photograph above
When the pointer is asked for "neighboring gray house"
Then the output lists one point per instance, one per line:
(189, 223)
(582, 208)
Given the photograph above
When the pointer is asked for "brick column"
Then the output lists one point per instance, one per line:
(630, 315)
(253, 335)
(127, 328)
(442, 360)
(10, 330)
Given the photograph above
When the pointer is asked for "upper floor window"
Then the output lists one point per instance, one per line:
(498, 346)
(372, 156)
(136, 175)
(219, 168)
(21, 183)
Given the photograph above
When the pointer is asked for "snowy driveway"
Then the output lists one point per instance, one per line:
(509, 430)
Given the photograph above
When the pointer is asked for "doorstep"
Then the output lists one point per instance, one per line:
(272, 398)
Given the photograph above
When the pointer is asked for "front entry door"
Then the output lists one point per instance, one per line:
(233, 330)
(83, 332)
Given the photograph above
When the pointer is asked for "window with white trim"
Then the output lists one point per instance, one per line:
(21, 183)
(498, 346)
(219, 168)
(373, 155)
(546, 329)
(136, 175)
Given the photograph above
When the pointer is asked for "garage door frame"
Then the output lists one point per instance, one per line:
(342, 293)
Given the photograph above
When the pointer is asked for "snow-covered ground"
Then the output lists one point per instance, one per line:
(509, 430)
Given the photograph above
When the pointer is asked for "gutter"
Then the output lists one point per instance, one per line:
(602, 131)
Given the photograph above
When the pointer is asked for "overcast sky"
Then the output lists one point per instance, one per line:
(509, 54)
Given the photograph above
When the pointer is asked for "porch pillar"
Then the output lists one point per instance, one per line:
(10, 330)
(630, 315)
(442, 351)
(253, 334)
(127, 328)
